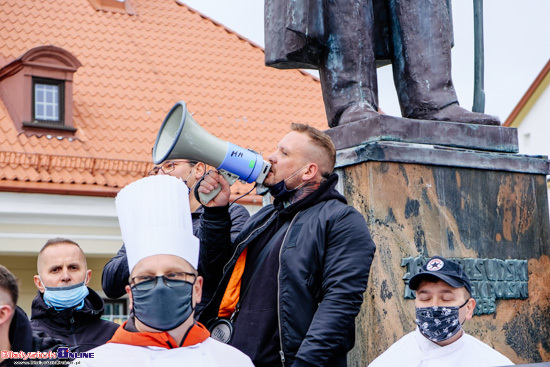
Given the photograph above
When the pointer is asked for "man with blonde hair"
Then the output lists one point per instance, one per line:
(290, 285)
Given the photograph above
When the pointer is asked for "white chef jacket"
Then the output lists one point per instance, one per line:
(209, 353)
(415, 350)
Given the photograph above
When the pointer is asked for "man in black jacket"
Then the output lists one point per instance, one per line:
(299, 307)
(16, 334)
(116, 272)
(15, 331)
(65, 308)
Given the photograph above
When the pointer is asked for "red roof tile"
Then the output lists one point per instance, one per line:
(134, 69)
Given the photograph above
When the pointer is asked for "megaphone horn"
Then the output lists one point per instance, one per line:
(181, 137)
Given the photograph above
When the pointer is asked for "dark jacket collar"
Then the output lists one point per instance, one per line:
(326, 191)
(20, 333)
(93, 309)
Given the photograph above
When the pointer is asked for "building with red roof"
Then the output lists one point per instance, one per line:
(84, 88)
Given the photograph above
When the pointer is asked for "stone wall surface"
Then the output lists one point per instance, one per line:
(420, 210)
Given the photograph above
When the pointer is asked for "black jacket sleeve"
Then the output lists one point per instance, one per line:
(239, 215)
(115, 275)
(349, 251)
(219, 228)
(215, 249)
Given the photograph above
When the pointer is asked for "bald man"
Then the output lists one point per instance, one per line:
(65, 308)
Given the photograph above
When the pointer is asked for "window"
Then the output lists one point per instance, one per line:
(48, 101)
(37, 90)
(115, 310)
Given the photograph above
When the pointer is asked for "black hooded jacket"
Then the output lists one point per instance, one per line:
(23, 339)
(20, 334)
(80, 330)
(322, 267)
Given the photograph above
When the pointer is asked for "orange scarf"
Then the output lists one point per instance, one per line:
(196, 335)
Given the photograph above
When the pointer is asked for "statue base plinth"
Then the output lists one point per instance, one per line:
(457, 190)
(450, 134)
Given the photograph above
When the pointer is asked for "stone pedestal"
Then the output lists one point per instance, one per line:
(472, 199)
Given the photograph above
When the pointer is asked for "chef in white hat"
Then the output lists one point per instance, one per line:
(163, 254)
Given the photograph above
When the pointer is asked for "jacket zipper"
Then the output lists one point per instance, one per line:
(266, 223)
(281, 352)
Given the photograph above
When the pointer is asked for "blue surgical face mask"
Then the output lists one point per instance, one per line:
(66, 297)
(438, 323)
(164, 306)
(279, 190)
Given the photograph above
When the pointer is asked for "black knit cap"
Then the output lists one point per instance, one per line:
(448, 271)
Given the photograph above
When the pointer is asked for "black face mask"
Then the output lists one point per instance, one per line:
(163, 304)
(279, 190)
(438, 323)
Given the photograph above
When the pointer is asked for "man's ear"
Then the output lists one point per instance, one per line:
(197, 290)
(200, 170)
(310, 172)
(470, 307)
(39, 284)
(130, 299)
(6, 312)
(88, 277)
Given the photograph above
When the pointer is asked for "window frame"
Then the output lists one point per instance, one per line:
(61, 103)
(49, 64)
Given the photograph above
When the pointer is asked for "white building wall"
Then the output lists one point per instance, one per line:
(534, 130)
(27, 221)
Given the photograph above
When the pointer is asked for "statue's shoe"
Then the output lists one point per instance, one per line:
(356, 112)
(455, 113)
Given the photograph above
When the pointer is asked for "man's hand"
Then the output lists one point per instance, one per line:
(211, 181)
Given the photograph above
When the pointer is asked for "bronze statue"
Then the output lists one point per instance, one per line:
(347, 39)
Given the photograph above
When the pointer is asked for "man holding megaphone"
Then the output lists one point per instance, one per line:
(116, 272)
(291, 284)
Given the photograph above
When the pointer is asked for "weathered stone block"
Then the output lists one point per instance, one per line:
(460, 204)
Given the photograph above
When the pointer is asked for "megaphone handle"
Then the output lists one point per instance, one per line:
(205, 198)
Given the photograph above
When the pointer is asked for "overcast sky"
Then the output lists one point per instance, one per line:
(517, 46)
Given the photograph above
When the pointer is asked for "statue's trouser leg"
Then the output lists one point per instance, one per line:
(421, 37)
(348, 67)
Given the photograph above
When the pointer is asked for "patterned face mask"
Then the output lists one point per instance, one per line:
(438, 323)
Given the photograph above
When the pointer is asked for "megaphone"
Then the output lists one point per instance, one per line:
(181, 137)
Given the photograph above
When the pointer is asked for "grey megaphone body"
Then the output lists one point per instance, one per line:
(181, 137)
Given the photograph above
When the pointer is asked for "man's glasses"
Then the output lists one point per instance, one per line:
(166, 167)
(172, 280)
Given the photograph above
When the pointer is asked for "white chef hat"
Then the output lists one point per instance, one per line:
(155, 219)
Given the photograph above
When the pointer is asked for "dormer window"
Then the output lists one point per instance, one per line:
(37, 89)
(48, 101)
